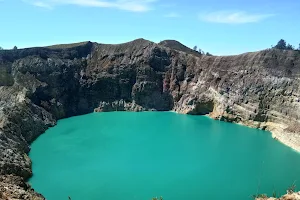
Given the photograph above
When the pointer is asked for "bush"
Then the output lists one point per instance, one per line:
(283, 45)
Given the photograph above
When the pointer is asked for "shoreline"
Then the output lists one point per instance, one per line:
(276, 130)
(41, 85)
(291, 140)
(16, 185)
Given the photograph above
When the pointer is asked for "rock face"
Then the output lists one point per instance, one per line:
(14, 187)
(41, 85)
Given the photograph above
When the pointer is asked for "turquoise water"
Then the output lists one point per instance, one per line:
(128, 156)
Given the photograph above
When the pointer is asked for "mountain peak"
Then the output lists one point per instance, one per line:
(174, 44)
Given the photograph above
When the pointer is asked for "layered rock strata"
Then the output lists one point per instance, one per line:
(38, 86)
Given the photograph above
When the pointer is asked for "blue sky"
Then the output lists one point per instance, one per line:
(222, 27)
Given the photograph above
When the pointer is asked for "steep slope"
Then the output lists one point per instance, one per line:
(41, 85)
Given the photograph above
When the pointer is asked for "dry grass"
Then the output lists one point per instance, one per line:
(67, 46)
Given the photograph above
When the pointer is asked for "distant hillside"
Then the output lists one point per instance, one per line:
(173, 44)
(67, 46)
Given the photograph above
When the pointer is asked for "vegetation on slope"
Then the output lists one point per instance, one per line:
(67, 46)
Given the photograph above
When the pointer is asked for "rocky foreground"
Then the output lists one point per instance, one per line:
(38, 86)
(288, 196)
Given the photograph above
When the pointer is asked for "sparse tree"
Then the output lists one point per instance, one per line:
(200, 51)
(208, 54)
(281, 44)
(1, 48)
(290, 47)
(15, 48)
(299, 47)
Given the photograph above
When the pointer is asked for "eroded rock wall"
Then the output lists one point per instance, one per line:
(41, 85)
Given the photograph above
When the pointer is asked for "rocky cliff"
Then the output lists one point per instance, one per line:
(41, 85)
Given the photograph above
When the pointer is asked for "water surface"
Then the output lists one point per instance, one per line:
(128, 156)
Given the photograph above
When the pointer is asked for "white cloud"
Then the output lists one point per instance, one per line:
(227, 17)
(129, 5)
(172, 15)
(41, 4)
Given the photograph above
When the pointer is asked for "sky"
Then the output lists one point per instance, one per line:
(221, 27)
